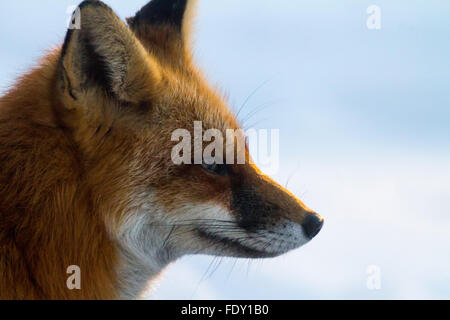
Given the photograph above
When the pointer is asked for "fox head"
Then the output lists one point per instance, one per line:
(122, 91)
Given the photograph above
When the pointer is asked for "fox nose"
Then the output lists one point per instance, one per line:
(312, 225)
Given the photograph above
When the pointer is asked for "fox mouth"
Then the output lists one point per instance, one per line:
(237, 247)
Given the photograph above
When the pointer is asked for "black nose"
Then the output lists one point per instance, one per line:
(312, 225)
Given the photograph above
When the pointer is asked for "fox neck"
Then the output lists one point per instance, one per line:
(143, 255)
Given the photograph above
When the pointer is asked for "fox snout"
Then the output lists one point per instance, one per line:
(293, 209)
(262, 207)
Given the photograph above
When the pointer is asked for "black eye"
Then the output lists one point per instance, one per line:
(215, 168)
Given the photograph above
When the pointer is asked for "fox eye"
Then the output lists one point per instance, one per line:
(215, 168)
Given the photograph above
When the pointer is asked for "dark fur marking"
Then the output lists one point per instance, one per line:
(251, 209)
(159, 12)
(109, 131)
(63, 72)
(69, 84)
(94, 66)
(66, 42)
(98, 130)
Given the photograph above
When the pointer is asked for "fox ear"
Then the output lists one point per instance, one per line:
(102, 53)
(163, 21)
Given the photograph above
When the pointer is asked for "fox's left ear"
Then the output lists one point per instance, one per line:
(164, 24)
(103, 55)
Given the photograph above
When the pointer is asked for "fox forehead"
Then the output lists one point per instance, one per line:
(187, 97)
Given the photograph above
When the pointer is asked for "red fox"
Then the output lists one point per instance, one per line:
(86, 177)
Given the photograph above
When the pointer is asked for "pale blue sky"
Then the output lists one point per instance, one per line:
(365, 133)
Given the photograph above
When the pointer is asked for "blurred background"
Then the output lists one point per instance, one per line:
(364, 119)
